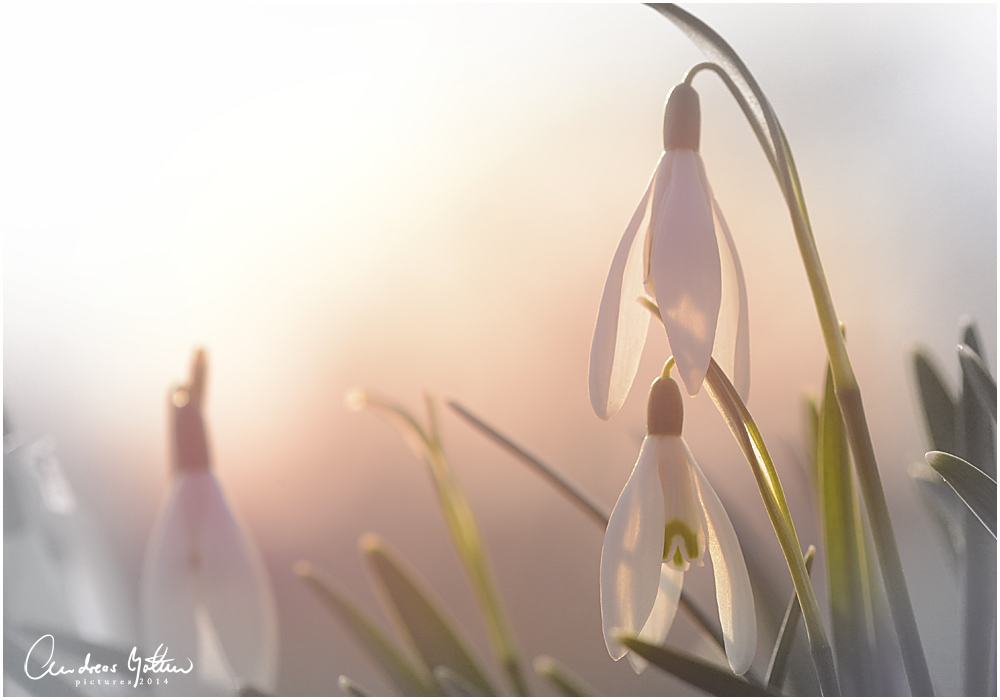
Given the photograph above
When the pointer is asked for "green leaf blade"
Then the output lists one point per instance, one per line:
(786, 635)
(561, 678)
(403, 674)
(846, 566)
(939, 405)
(433, 637)
(979, 378)
(709, 677)
(977, 490)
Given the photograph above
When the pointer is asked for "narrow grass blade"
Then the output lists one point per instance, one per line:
(461, 526)
(575, 495)
(350, 688)
(703, 621)
(706, 676)
(977, 445)
(469, 544)
(561, 678)
(403, 674)
(434, 638)
(811, 410)
(976, 489)
(946, 510)
(786, 635)
(743, 427)
(846, 568)
(938, 404)
(983, 384)
(454, 685)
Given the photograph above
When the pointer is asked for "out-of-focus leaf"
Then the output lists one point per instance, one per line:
(984, 385)
(850, 601)
(938, 403)
(403, 674)
(946, 510)
(453, 684)
(976, 445)
(709, 677)
(561, 678)
(433, 637)
(76, 646)
(349, 687)
(976, 489)
(890, 678)
(811, 406)
(786, 635)
(72, 652)
(461, 526)
(575, 495)
(14, 654)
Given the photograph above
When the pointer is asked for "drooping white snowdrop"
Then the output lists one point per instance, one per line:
(667, 516)
(687, 261)
(205, 597)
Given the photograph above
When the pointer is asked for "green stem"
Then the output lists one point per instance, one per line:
(786, 635)
(848, 393)
(742, 425)
(458, 516)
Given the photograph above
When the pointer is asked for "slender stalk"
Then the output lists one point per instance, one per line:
(847, 389)
(458, 516)
(745, 431)
(786, 635)
(461, 526)
(575, 495)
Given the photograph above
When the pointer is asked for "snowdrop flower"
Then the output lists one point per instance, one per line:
(687, 261)
(205, 595)
(666, 517)
(61, 574)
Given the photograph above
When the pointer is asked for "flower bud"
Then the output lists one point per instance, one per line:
(188, 429)
(665, 410)
(682, 119)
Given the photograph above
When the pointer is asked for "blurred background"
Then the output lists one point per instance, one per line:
(427, 199)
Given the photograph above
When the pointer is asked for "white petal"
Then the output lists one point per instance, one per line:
(236, 592)
(661, 617)
(686, 272)
(204, 592)
(622, 323)
(633, 551)
(167, 589)
(732, 582)
(732, 335)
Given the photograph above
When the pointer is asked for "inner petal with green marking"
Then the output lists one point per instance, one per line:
(677, 535)
(684, 525)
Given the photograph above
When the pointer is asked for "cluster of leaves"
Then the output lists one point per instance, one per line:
(959, 486)
(435, 659)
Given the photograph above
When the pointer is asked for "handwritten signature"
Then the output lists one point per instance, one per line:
(157, 663)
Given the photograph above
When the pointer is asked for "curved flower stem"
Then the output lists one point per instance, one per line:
(772, 140)
(745, 431)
